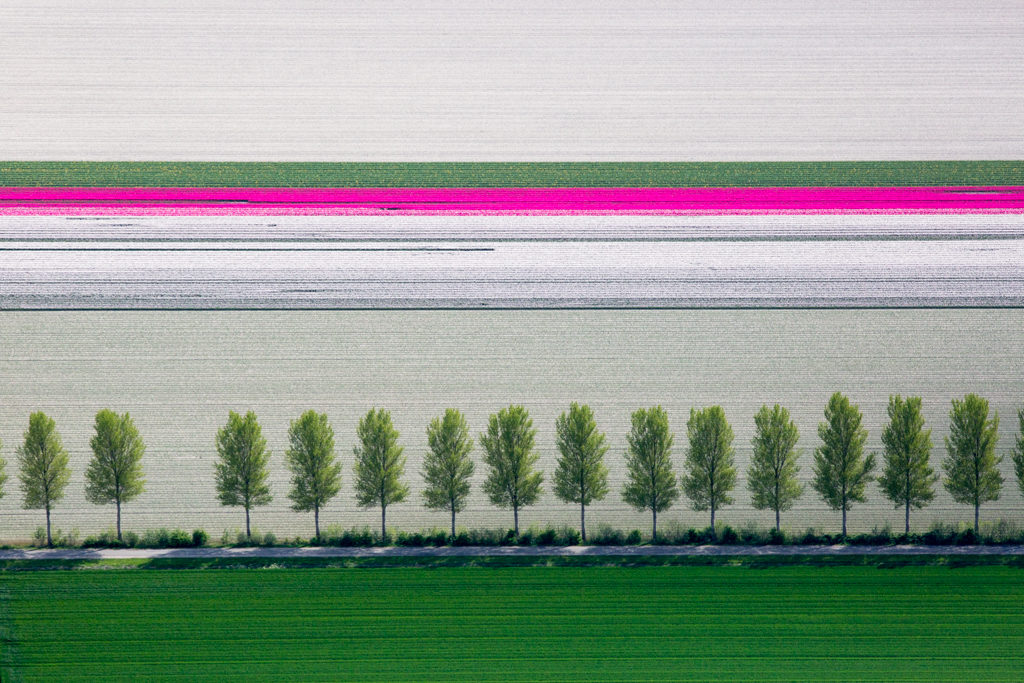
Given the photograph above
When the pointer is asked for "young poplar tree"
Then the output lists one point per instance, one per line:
(710, 474)
(114, 474)
(379, 464)
(1018, 452)
(242, 471)
(447, 467)
(3, 477)
(509, 454)
(972, 468)
(840, 469)
(651, 483)
(772, 477)
(43, 465)
(907, 480)
(316, 472)
(581, 476)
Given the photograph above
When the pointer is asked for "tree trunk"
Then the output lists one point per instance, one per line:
(583, 523)
(49, 539)
(713, 535)
(383, 527)
(453, 522)
(248, 531)
(316, 520)
(907, 532)
(844, 522)
(515, 519)
(654, 526)
(977, 530)
(777, 529)
(118, 521)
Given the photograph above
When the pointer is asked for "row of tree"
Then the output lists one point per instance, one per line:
(841, 468)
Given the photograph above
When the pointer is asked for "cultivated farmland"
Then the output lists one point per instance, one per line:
(180, 372)
(828, 623)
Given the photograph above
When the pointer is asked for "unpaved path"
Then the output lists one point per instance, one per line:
(478, 551)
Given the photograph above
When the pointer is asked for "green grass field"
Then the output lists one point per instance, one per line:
(749, 622)
(509, 174)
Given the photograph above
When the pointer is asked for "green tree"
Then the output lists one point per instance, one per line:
(379, 464)
(651, 483)
(1018, 452)
(580, 476)
(447, 467)
(841, 471)
(43, 464)
(3, 477)
(710, 474)
(316, 472)
(114, 474)
(907, 479)
(242, 471)
(509, 454)
(972, 468)
(772, 477)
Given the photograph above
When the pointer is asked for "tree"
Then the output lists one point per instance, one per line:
(43, 464)
(447, 467)
(907, 479)
(114, 474)
(972, 468)
(379, 464)
(242, 470)
(710, 474)
(580, 476)
(841, 471)
(3, 477)
(1018, 452)
(651, 483)
(508, 452)
(773, 469)
(316, 472)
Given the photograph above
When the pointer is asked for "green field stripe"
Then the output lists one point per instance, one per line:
(841, 623)
(511, 174)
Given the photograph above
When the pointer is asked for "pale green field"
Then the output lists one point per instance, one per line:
(179, 372)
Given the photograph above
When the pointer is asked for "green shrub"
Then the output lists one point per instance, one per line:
(199, 538)
(728, 536)
(528, 537)
(966, 537)
(350, 538)
(634, 537)
(179, 538)
(607, 535)
(776, 537)
(62, 540)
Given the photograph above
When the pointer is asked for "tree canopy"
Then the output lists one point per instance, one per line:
(710, 474)
(43, 466)
(316, 472)
(841, 471)
(972, 468)
(512, 482)
(447, 467)
(651, 483)
(772, 478)
(241, 473)
(114, 474)
(907, 479)
(580, 475)
(379, 465)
